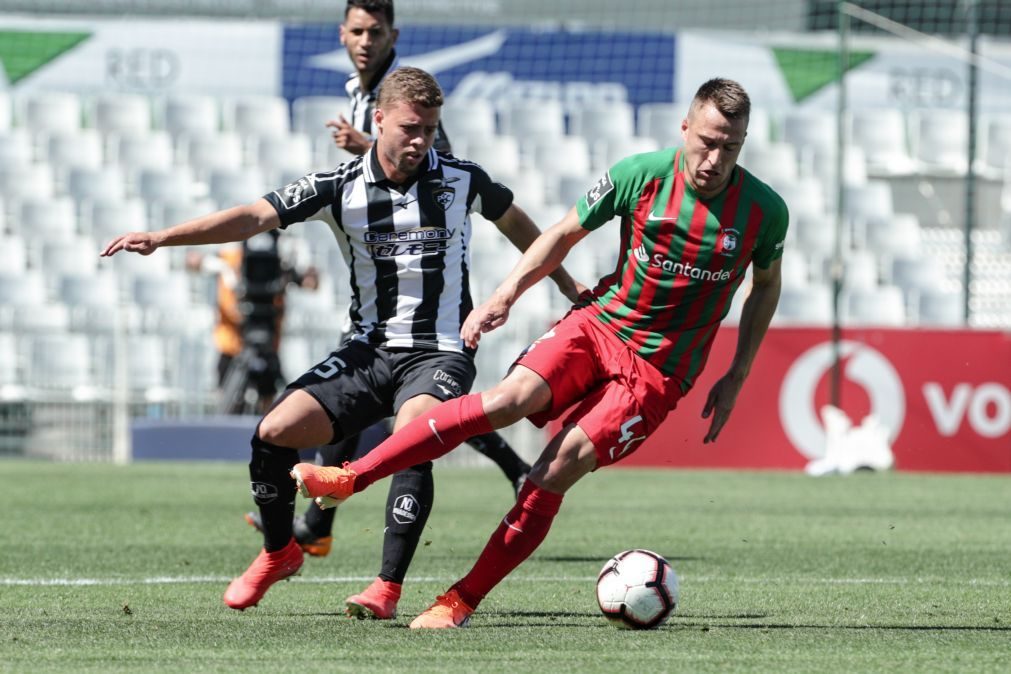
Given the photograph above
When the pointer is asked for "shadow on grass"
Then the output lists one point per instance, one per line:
(780, 626)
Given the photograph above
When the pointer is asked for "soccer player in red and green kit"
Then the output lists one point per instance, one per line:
(619, 361)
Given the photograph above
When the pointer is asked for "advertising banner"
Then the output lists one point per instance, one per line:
(944, 397)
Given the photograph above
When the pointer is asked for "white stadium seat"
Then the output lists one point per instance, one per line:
(190, 115)
(75, 255)
(468, 121)
(882, 135)
(13, 254)
(774, 163)
(804, 305)
(165, 184)
(616, 149)
(26, 181)
(96, 184)
(54, 219)
(534, 120)
(81, 148)
(662, 122)
(603, 121)
(152, 150)
(498, 155)
(940, 138)
(216, 151)
(259, 116)
(121, 114)
(939, 308)
(6, 112)
(51, 112)
(285, 154)
(311, 113)
(565, 156)
(880, 306)
(232, 187)
(15, 148)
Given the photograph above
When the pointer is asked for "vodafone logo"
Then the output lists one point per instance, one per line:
(863, 366)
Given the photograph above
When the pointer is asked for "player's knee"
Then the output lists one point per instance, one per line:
(272, 431)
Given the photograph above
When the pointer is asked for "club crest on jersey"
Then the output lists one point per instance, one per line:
(444, 196)
(727, 241)
(295, 193)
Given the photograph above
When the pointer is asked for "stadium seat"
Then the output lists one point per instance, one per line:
(880, 306)
(174, 211)
(565, 156)
(760, 125)
(51, 112)
(468, 120)
(940, 308)
(528, 188)
(662, 122)
(231, 187)
(616, 149)
(296, 356)
(121, 114)
(940, 138)
(132, 265)
(793, 269)
(810, 133)
(258, 116)
(571, 188)
(11, 367)
(77, 149)
(87, 185)
(149, 366)
(603, 121)
(216, 151)
(15, 148)
(326, 155)
(882, 135)
(917, 274)
(803, 195)
(26, 181)
(869, 203)
(62, 363)
(169, 291)
(166, 184)
(54, 219)
(283, 155)
(93, 301)
(72, 255)
(804, 305)
(824, 168)
(111, 217)
(860, 270)
(140, 151)
(13, 254)
(995, 145)
(534, 120)
(190, 115)
(775, 163)
(25, 289)
(498, 155)
(311, 113)
(895, 235)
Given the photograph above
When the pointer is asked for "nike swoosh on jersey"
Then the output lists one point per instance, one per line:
(431, 424)
(657, 218)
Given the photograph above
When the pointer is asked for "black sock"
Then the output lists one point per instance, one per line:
(498, 450)
(408, 505)
(273, 490)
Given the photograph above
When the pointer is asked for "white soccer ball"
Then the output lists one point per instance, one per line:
(637, 589)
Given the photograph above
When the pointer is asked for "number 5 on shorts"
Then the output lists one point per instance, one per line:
(330, 367)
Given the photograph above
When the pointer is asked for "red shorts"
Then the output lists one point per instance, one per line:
(598, 383)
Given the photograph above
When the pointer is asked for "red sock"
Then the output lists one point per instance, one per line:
(516, 538)
(428, 437)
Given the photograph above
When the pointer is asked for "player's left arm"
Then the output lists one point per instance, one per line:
(521, 231)
(755, 318)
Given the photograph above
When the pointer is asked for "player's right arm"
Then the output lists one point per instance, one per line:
(232, 224)
(541, 258)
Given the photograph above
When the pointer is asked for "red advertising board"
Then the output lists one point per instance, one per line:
(945, 397)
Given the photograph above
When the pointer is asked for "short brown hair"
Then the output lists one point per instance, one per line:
(727, 96)
(411, 85)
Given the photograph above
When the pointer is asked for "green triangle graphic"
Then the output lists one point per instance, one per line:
(24, 52)
(807, 71)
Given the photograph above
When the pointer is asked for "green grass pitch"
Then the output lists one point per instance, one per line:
(107, 568)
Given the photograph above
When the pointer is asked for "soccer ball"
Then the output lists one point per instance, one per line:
(637, 589)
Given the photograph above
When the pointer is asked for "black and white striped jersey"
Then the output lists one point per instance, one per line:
(407, 247)
(363, 102)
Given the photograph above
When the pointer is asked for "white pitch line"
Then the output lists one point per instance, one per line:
(196, 580)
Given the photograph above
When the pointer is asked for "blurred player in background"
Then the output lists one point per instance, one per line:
(369, 35)
(619, 361)
(403, 216)
(262, 377)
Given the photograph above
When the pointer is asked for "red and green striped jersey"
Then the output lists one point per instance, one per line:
(681, 258)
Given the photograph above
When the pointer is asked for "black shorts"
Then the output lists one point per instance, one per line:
(359, 384)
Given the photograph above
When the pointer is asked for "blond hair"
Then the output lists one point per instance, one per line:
(410, 85)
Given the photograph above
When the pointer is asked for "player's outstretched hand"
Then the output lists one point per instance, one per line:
(490, 315)
(721, 400)
(348, 137)
(144, 243)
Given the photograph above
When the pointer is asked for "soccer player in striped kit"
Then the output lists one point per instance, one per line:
(401, 216)
(692, 221)
(369, 35)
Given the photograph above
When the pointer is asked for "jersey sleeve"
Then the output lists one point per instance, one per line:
(311, 197)
(773, 236)
(616, 192)
(491, 199)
